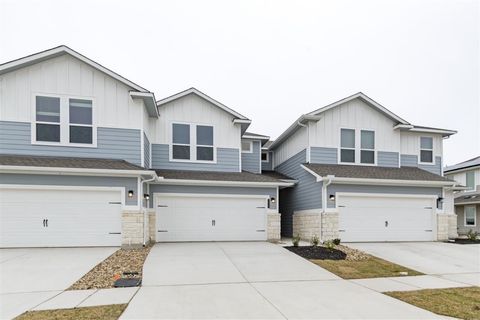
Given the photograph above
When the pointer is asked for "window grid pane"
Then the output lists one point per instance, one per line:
(205, 153)
(47, 109)
(48, 132)
(347, 138)
(246, 146)
(181, 133)
(264, 156)
(181, 152)
(80, 111)
(367, 156)
(470, 180)
(367, 139)
(426, 143)
(205, 135)
(347, 155)
(426, 156)
(81, 134)
(470, 216)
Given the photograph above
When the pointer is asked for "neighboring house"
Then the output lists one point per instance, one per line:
(363, 174)
(89, 158)
(467, 202)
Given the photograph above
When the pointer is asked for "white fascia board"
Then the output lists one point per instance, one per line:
(402, 126)
(187, 182)
(57, 51)
(246, 136)
(452, 171)
(242, 121)
(293, 127)
(388, 182)
(316, 175)
(443, 132)
(149, 101)
(457, 188)
(75, 171)
(204, 96)
(364, 98)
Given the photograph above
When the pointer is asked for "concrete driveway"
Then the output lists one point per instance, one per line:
(31, 276)
(446, 260)
(246, 280)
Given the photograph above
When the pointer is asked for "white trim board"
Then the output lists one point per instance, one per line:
(222, 183)
(73, 171)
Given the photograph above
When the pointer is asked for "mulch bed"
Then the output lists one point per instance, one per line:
(104, 274)
(465, 241)
(318, 252)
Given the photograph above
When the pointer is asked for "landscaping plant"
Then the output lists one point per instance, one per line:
(296, 240)
(472, 235)
(336, 241)
(329, 245)
(315, 240)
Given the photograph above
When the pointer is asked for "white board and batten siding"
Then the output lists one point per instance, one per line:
(297, 142)
(410, 143)
(67, 76)
(461, 177)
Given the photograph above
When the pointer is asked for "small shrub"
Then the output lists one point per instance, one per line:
(336, 241)
(296, 240)
(329, 245)
(472, 235)
(315, 240)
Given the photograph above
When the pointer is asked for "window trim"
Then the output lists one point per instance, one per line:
(420, 150)
(268, 156)
(474, 180)
(250, 143)
(193, 143)
(64, 121)
(474, 216)
(358, 147)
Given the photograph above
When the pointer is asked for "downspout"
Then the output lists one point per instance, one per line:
(326, 182)
(154, 178)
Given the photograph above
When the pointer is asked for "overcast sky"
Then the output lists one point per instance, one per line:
(274, 60)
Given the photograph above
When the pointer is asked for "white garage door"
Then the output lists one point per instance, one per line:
(59, 218)
(386, 218)
(210, 218)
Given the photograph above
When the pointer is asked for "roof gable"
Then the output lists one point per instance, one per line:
(471, 163)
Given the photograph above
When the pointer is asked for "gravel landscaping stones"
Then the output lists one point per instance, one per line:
(108, 271)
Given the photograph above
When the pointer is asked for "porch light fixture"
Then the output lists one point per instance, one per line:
(272, 200)
(332, 197)
(130, 193)
(146, 196)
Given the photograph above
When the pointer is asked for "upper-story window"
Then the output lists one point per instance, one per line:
(470, 216)
(63, 121)
(367, 151)
(347, 151)
(247, 146)
(426, 149)
(265, 156)
(202, 148)
(470, 180)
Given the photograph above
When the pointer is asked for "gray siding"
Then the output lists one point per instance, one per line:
(461, 228)
(227, 160)
(334, 188)
(62, 180)
(306, 194)
(268, 166)
(146, 151)
(112, 143)
(251, 161)
(387, 159)
(323, 155)
(409, 160)
(159, 188)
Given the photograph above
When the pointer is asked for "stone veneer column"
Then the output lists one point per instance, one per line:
(306, 224)
(446, 226)
(132, 228)
(273, 226)
(329, 226)
(152, 219)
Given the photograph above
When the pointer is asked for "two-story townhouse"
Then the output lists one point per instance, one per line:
(363, 174)
(467, 202)
(89, 158)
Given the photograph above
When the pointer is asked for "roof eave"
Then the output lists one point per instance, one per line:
(163, 180)
(293, 127)
(149, 101)
(73, 171)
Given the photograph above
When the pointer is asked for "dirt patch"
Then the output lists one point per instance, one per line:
(104, 274)
(109, 312)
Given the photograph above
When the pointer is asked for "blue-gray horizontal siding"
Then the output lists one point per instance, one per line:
(227, 160)
(268, 166)
(83, 181)
(146, 151)
(306, 194)
(112, 143)
(410, 160)
(323, 155)
(387, 159)
(353, 188)
(160, 188)
(251, 160)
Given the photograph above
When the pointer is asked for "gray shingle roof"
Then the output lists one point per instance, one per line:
(373, 172)
(276, 175)
(471, 197)
(215, 176)
(66, 162)
(465, 164)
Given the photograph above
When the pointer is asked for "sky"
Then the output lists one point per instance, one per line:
(275, 60)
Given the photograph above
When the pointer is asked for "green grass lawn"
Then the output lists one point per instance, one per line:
(372, 267)
(463, 303)
(110, 312)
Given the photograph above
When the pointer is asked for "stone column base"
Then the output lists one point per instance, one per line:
(273, 226)
(132, 228)
(446, 226)
(152, 221)
(330, 226)
(306, 224)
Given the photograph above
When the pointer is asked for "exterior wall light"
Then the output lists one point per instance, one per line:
(130, 193)
(146, 196)
(332, 197)
(272, 200)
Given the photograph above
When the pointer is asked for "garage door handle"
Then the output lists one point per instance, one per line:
(162, 230)
(114, 233)
(162, 206)
(46, 223)
(341, 230)
(341, 206)
(260, 230)
(114, 202)
(260, 207)
(428, 230)
(428, 208)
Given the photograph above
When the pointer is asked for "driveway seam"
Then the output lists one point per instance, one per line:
(96, 290)
(251, 285)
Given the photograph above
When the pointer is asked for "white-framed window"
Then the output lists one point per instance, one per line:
(367, 147)
(426, 150)
(470, 180)
(265, 156)
(470, 213)
(192, 142)
(347, 145)
(63, 120)
(247, 146)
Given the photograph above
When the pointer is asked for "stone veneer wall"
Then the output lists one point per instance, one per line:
(329, 226)
(152, 225)
(273, 226)
(306, 224)
(132, 228)
(446, 226)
